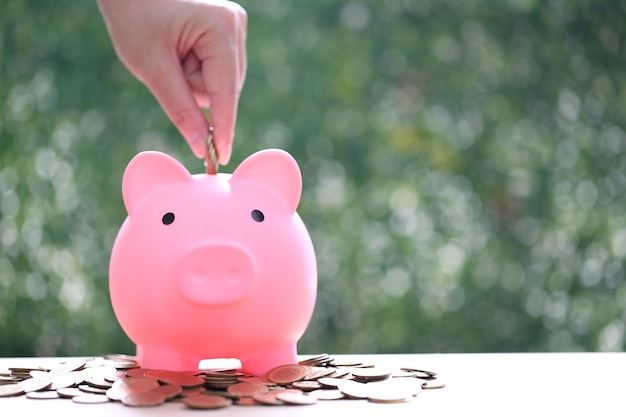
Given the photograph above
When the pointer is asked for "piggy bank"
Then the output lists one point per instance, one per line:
(213, 266)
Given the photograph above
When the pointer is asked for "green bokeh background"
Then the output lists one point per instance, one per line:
(463, 161)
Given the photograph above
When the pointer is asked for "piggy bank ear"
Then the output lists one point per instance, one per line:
(146, 173)
(275, 169)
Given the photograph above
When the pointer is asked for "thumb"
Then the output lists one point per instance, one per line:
(169, 86)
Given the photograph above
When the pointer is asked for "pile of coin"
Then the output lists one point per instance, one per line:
(119, 378)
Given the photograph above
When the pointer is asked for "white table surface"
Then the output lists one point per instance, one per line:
(503, 384)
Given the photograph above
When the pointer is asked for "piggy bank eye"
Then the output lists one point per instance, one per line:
(257, 215)
(168, 218)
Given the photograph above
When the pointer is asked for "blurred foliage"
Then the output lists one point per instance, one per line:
(464, 169)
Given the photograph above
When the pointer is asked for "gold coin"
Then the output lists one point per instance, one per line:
(247, 389)
(296, 399)
(327, 394)
(11, 390)
(202, 401)
(211, 160)
(35, 384)
(183, 379)
(168, 391)
(42, 395)
(90, 399)
(143, 399)
(286, 374)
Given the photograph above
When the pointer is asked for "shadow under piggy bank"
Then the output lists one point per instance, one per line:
(213, 266)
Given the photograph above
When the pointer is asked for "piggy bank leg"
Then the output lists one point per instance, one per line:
(160, 357)
(262, 360)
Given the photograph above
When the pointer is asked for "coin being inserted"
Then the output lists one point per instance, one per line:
(210, 160)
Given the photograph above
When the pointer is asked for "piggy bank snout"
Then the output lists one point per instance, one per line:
(215, 274)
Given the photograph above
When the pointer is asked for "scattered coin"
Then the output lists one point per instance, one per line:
(268, 398)
(168, 391)
(69, 392)
(330, 382)
(202, 401)
(154, 373)
(434, 384)
(119, 378)
(88, 389)
(143, 399)
(317, 372)
(245, 401)
(420, 373)
(188, 392)
(370, 374)
(327, 394)
(138, 384)
(247, 389)
(42, 395)
(67, 367)
(296, 399)
(98, 381)
(353, 389)
(307, 385)
(90, 399)
(35, 384)
(11, 390)
(183, 379)
(136, 372)
(393, 390)
(287, 374)
(62, 381)
(115, 393)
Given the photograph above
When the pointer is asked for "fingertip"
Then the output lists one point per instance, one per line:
(197, 143)
(224, 155)
(223, 145)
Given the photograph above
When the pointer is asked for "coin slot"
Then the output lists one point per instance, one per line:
(258, 215)
(168, 218)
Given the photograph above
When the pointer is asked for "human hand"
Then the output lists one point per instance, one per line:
(190, 54)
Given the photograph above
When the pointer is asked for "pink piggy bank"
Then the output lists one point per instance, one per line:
(213, 266)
